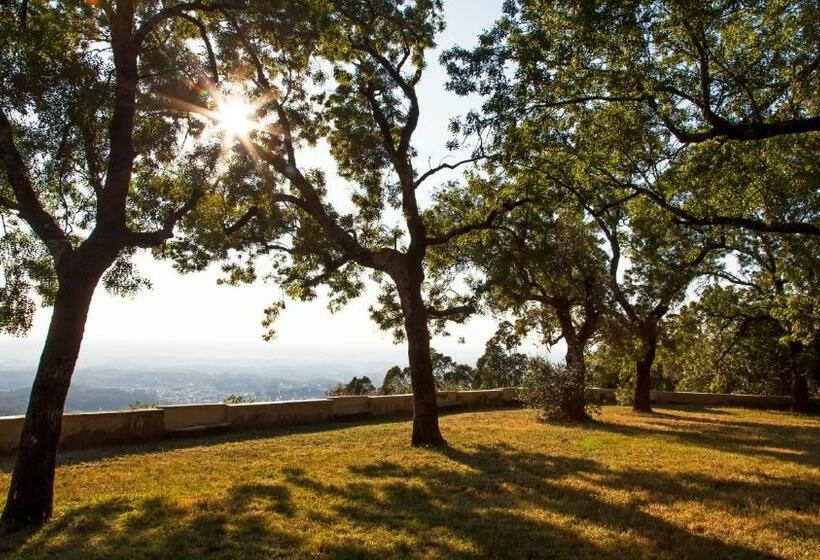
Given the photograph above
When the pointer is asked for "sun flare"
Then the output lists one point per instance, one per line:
(236, 117)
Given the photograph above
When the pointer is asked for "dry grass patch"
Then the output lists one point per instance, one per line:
(682, 483)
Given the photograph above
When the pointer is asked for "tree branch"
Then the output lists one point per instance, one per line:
(203, 32)
(243, 220)
(28, 204)
(429, 173)
(486, 223)
(167, 13)
(689, 219)
(148, 239)
(330, 269)
(459, 312)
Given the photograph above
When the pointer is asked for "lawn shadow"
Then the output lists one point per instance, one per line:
(488, 505)
(78, 456)
(792, 443)
(464, 501)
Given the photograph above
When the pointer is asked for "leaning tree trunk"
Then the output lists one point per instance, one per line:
(425, 408)
(643, 371)
(31, 492)
(799, 383)
(574, 401)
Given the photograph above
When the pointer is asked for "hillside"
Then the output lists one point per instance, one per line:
(682, 483)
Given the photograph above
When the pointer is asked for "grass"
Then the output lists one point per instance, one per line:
(682, 483)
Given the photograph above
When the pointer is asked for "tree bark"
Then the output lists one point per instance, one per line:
(643, 370)
(31, 492)
(425, 408)
(799, 383)
(575, 400)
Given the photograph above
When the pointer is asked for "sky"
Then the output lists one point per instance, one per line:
(188, 318)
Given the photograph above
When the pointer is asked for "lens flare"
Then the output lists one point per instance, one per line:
(227, 112)
(235, 117)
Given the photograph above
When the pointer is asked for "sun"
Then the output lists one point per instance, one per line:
(235, 117)
(228, 113)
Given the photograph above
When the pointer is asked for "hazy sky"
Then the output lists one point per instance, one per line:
(190, 317)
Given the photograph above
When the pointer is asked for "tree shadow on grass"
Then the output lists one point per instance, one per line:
(507, 503)
(799, 444)
(482, 502)
(474, 502)
(124, 528)
(149, 448)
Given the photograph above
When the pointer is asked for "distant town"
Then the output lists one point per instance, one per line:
(105, 388)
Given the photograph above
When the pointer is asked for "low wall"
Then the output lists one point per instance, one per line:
(97, 429)
(284, 413)
(92, 429)
(600, 396)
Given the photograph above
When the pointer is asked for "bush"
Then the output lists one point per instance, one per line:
(238, 399)
(358, 386)
(139, 405)
(555, 393)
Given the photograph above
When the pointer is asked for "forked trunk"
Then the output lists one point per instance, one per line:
(31, 492)
(643, 372)
(425, 408)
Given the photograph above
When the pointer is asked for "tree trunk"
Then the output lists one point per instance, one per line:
(425, 408)
(799, 383)
(31, 492)
(643, 371)
(574, 403)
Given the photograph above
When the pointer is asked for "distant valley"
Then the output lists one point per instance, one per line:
(105, 388)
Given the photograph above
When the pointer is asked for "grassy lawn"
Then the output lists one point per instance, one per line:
(683, 483)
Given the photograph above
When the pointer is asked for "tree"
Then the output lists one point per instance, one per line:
(596, 154)
(719, 343)
(357, 93)
(545, 267)
(663, 263)
(447, 373)
(450, 375)
(776, 283)
(95, 165)
(500, 366)
(707, 111)
(356, 386)
(396, 381)
(711, 74)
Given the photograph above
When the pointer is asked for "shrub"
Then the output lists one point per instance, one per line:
(554, 392)
(357, 386)
(139, 405)
(238, 399)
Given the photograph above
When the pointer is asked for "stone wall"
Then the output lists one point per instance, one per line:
(98, 429)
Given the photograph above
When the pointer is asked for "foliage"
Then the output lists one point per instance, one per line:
(24, 267)
(696, 71)
(550, 389)
(57, 98)
(661, 119)
(139, 405)
(239, 399)
(396, 382)
(354, 89)
(500, 365)
(356, 386)
(448, 374)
